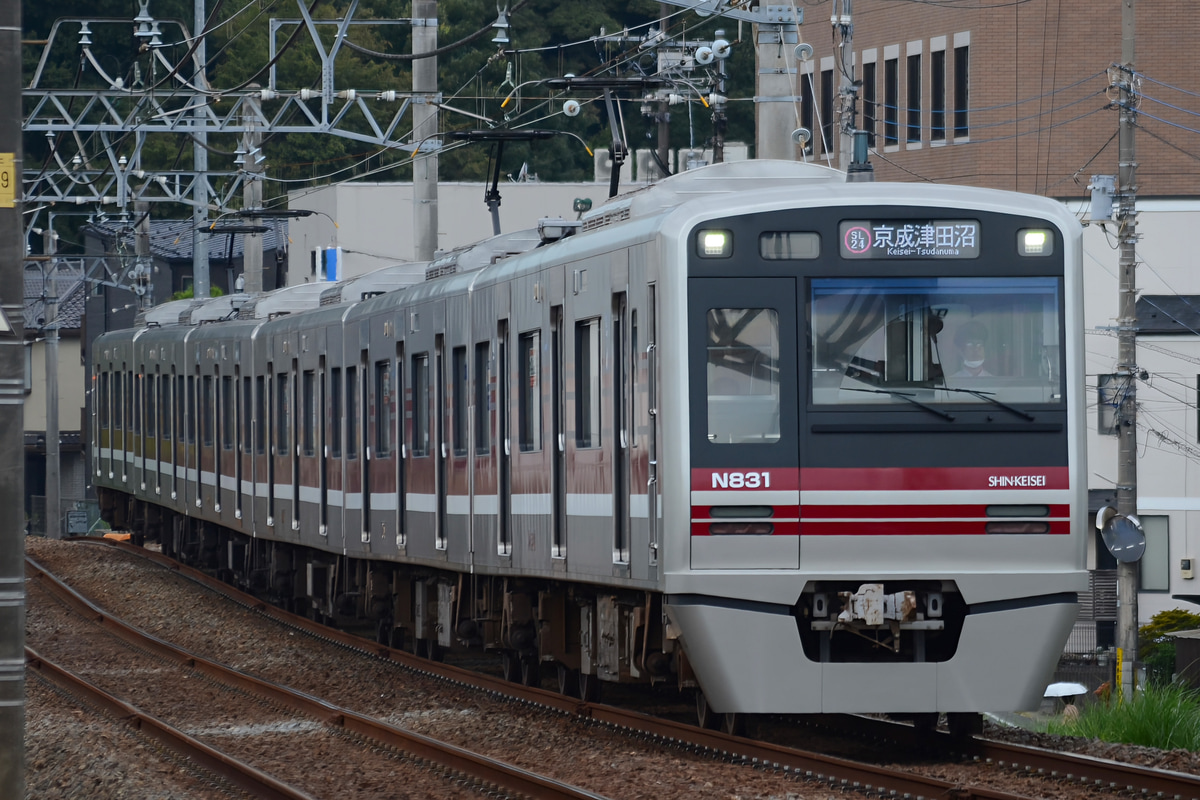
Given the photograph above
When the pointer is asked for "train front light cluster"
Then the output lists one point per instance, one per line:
(1035, 242)
(714, 244)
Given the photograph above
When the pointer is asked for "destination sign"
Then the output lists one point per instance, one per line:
(908, 239)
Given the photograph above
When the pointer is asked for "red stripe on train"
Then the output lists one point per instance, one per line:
(867, 479)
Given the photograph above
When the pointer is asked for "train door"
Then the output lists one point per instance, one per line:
(180, 470)
(401, 449)
(364, 425)
(652, 427)
(440, 453)
(504, 440)
(245, 463)
(620, 419)
(744, 362)
(558, 536)
(322, 450)
(294, 440)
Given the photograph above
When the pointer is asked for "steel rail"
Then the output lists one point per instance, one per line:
(246, 777)
(459, 761)
(838, 773)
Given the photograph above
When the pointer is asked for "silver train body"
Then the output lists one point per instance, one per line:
(731, 434)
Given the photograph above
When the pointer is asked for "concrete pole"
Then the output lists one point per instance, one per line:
(252, 250)
(50, 329)
(1127, 479)
(425, 131)
(847, 95)
(12, 415)
(200, 280)
(775, 95)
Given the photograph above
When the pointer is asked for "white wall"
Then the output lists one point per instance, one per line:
(1168, 434)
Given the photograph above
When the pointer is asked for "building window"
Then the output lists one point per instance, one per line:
(868, 95)
(961, 64)
(806, 110)
(828, 145)
(1155, 566)
(937, 95)
(1108, 399)
(914, 99)
(891, 101)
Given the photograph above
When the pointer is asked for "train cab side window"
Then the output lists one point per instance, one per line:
(190, 409)
(260, 414)
(103, 402)
(420, 404)
(483, 395)
(118, 407)
(166, 408)
(247, 414)
(137, 388)
(151, 405)
(743, 376)
(383, 409)
(459, 400)
(587, 383)
(529, 395)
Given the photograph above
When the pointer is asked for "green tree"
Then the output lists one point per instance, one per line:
(1157, 649)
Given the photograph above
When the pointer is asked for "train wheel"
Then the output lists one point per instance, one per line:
(589, 688)
(705, 716)
(568, 680)
(510, 666)
(531, 671)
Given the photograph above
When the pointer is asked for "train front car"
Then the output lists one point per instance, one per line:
(882, 406)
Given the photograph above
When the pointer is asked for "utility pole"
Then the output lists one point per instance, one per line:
(843, 27)
(50, 330)
(717, 98)
(12, 414)
(252, 249)
(425, 130)
(1127, 572)
(200, 282)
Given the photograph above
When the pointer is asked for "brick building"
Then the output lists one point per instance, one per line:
(1011, 95)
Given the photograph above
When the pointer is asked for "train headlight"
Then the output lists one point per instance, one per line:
(1035, 242)
(714, 244)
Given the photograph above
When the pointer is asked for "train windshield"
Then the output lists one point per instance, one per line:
(936, 340)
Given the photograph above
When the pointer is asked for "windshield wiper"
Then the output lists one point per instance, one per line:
(988, 397)
(907, 396)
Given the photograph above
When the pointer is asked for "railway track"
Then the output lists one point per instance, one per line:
(461, 771)
(775, 759)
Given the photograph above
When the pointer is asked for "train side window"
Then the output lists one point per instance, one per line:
(308, 390)
(420, 404)
(151, 405)
(103, 402)
(166, 408)
(260, 414)
(743, 376)
(118, 406)
(483, 395)
(335, 412)
(206, 411)
(458, 423)
(136, 388)
(190, 409)
(587, 383)
(247, 414)
(529, 398)
(181, 408)
(383, 408)
(352, 416)
(283, 421)
(228, 409)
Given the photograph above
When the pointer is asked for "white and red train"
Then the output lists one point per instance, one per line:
(812, 446)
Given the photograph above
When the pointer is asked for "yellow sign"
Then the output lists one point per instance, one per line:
(8, 181)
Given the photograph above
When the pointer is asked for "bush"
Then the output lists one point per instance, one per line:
(1157, 649)
(1162, 716)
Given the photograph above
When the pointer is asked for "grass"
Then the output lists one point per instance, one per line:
(1165, 717)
